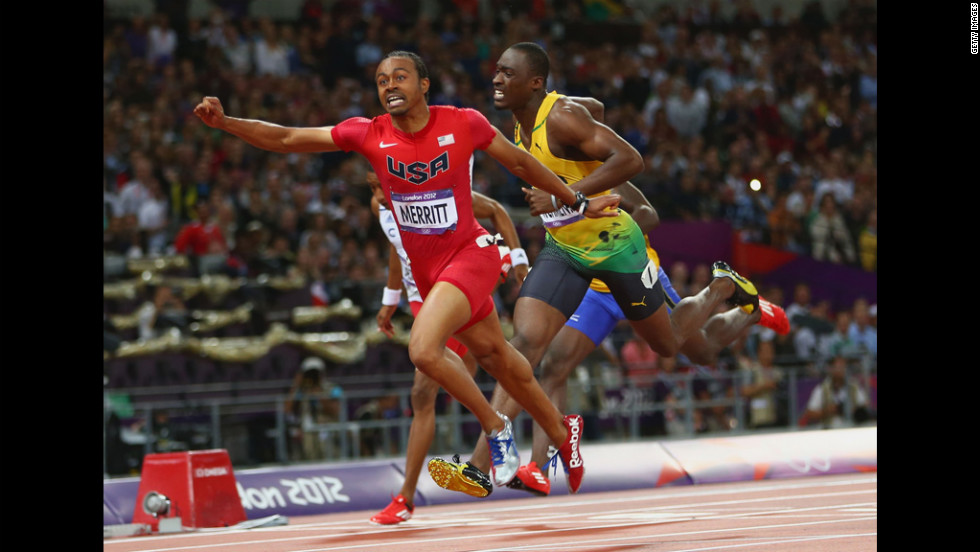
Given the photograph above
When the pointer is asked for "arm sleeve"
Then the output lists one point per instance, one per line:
(480, 128)
(349, 134)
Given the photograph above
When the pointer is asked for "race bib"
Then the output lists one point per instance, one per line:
(562, 217)
(432, 212)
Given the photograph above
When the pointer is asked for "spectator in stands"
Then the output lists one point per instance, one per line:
(135, 37)
(280, 257)
(680, 277)
(314, 259)
(639, 361)
(761, 379)
(802, 302)
(271, 53)
(161, 41)
(669, 391)
(385, 407)
(226, 219)
(661, 131)
(136, 190)
(288, 226)
(832, 181)
(162, 311)
(110, 203)
(275, 198)
(861, 332)
(181, 196)
(688, 111)
(838, 400)
(313, 400)
(121, 236)
(784, 227)
(868, 242)
(709, 385)
(811, 329)
(152, 219)
(830, 240)
(237, 50)
(245, 258)
(700, 278)
(165, 435)
(201, 236)
(838, 341)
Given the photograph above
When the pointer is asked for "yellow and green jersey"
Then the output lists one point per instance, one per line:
(608, 243)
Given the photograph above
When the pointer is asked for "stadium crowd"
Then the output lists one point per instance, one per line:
(764, 120)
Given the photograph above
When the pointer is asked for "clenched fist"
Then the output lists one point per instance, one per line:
(210, 111)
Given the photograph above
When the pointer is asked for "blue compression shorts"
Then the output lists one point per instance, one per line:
(598, 313)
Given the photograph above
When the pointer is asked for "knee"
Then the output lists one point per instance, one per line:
(490, 357)
(424, 395)
(701, 355)
(665, 347)
(529, 347)
(554, 372)
(424, 357)
(505, 362)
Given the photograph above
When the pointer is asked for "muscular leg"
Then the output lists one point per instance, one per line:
(422, 431)
(566, 352)
(514, 376)
(721, 330)
(535, 324)
(444, 310)
(667, 333)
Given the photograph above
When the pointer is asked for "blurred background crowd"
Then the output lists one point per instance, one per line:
(759, 114)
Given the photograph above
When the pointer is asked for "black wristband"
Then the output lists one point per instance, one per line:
(581, 202)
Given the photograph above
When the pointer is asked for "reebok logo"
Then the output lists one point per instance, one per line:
(574, 435)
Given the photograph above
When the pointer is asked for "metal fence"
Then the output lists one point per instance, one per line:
(250, 419)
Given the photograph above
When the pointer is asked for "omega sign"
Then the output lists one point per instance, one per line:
(211, 472)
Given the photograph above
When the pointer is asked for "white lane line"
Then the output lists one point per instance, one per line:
(415, 541)
(437, 520)
(659, 538)
(621, 543)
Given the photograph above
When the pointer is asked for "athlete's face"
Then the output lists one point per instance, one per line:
(399, 86)
(513, 84)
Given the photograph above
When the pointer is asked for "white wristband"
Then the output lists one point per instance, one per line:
(391, 297)
(518, 256)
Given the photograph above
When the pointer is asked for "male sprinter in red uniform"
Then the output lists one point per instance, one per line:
(424, 389)
(423, 156)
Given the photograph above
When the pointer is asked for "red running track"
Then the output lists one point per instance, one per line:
(812, 514)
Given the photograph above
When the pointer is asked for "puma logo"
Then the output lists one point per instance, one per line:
(642, 303)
